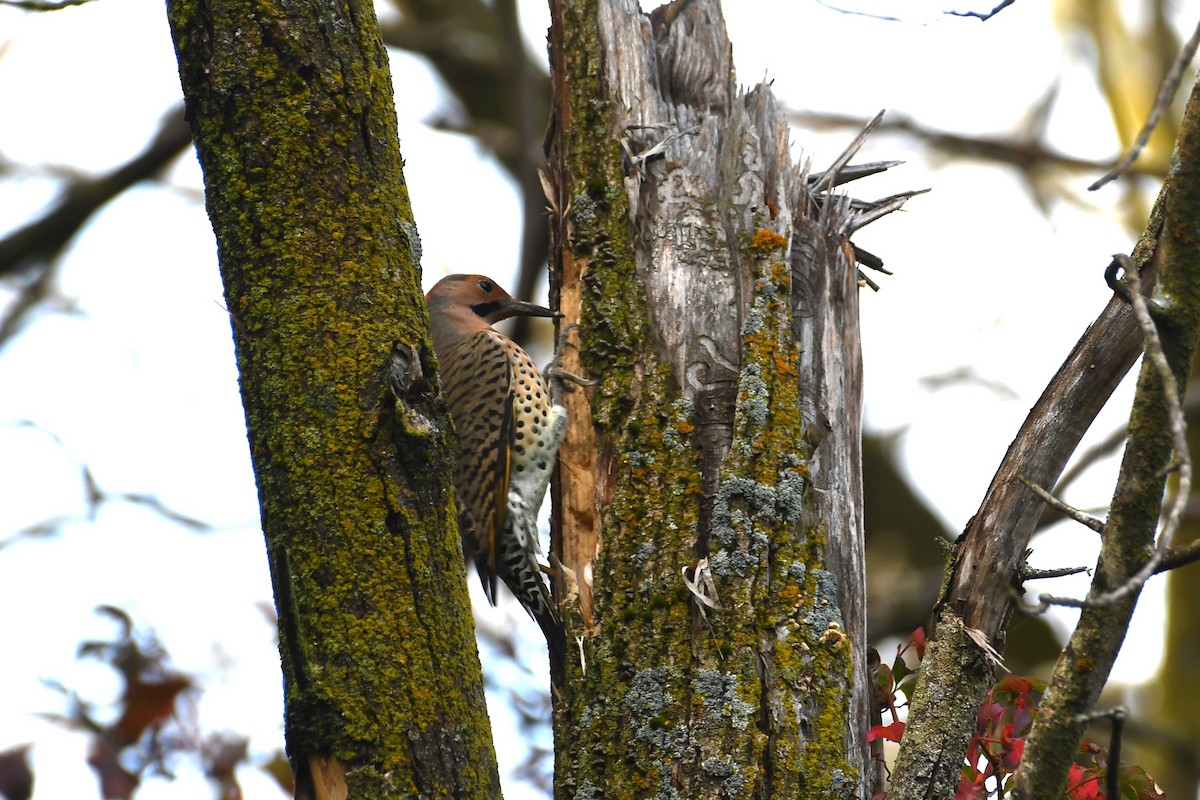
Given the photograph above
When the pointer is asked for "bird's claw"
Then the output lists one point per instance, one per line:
(554, 373)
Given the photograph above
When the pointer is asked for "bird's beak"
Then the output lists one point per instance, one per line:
(519, 308)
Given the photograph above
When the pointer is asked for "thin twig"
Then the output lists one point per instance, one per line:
(1166, 93)
(829, 177)
(1114, 752)
(1021, 152)
(981, 15)
(1182, 462)
(1180, 556)
(856, 172)
(1029, 573)
(850, 12)
(881, 208)
(1063, 508)
(1177, 425)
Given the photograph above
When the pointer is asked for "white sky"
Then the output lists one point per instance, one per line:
(140, 385)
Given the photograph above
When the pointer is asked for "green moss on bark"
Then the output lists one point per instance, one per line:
(677, 699)
(292, 110)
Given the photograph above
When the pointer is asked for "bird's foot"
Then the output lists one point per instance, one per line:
(555, 374)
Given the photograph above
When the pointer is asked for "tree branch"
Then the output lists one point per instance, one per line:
(1166, 93)
(991, 550)
(1022, 153)
(982, 15)
(1058, 505)
(1129, 535)
(35, 246)
(1181, 556)
(44, 238)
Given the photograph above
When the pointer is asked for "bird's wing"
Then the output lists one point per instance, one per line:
(479, 390)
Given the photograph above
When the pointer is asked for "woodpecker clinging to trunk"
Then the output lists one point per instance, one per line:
(509, 429)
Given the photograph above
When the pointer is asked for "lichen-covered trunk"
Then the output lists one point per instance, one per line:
(291, 107)
(1172, 694)
(708, 502)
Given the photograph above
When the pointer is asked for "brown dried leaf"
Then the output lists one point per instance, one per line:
(16, 778)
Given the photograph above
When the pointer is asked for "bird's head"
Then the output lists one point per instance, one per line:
(475, 299)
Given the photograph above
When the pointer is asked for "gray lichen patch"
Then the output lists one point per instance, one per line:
(719, 691)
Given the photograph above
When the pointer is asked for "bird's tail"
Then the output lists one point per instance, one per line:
(556, 643)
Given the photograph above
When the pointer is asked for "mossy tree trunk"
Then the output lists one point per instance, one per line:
(1171, 740)
(708, 502)
(1174, 730)
(292, 111)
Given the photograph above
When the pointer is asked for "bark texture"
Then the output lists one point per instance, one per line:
(1171, 753)
(291, 107)
(708, 506)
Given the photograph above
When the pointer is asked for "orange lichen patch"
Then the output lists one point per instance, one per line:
(765, 241)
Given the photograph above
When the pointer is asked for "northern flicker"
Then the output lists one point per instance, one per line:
(509, 429)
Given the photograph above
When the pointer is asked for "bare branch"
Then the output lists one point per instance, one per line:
(27, 253)
(1020, 152)
(1136, 513)
(1180, 557)
(828, 179)
(1166, 93)
(853, 172)
(1063, 508)
(42, 239)
(36, 289)
(981, 15)
(94, 495)
(1182, 463)
(42, 5)
(967, 376)
(881, 208)
(1029, 573)
(849, 12)
(991, 550)
(1084, 382)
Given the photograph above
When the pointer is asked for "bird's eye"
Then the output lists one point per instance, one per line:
(486, 285)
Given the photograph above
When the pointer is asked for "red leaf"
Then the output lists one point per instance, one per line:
(1013, 753)
(1083, 784)
(990, 713)
(148, 703)
(893, 732)
(972, 789)
(1017, 684)
(917, 641)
